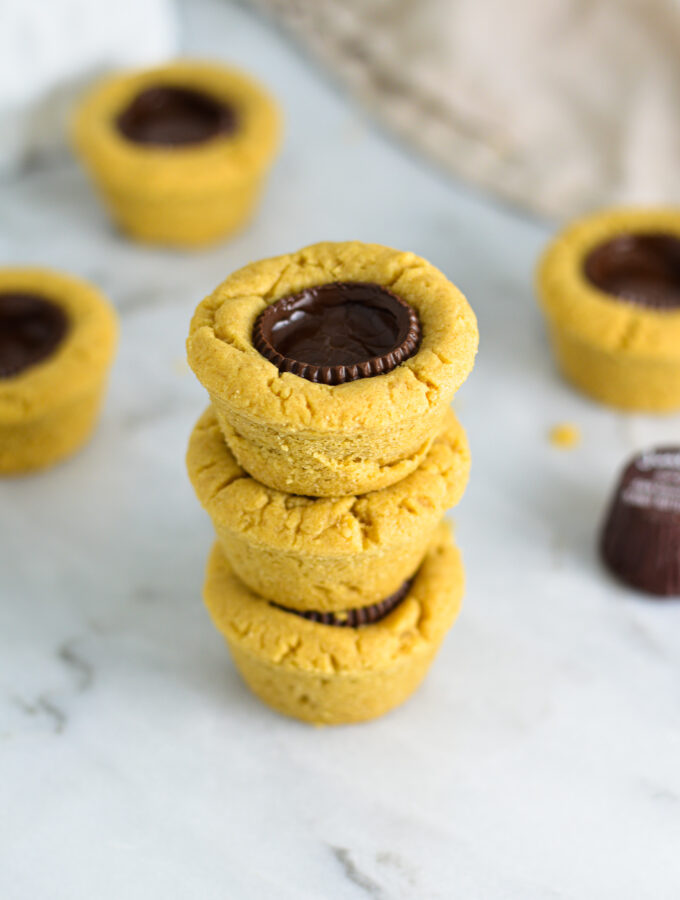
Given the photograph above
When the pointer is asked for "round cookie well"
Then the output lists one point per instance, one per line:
(641, 268)
(31, 329)
(170, 116)
(338, 332)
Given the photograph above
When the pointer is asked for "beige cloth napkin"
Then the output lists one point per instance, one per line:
(557, 105)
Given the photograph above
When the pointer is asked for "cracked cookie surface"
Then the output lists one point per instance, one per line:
(328, 675)
(329, 440)
(326, 553)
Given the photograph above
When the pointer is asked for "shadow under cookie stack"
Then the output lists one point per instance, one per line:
(326, 461)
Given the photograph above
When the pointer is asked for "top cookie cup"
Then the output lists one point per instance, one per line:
(391, 416)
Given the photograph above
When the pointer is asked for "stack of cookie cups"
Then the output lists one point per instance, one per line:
(326, 461)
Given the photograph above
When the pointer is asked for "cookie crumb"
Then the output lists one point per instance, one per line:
(565, 436)
(181, 366)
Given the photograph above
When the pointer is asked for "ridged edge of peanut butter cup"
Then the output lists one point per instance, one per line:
(410, 335)
(353, 618)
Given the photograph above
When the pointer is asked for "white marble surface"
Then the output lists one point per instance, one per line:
(542, 757)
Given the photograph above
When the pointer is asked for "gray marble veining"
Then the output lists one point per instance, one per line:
(540, 759)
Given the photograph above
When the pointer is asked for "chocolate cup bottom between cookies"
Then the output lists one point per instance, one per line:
(353, 618)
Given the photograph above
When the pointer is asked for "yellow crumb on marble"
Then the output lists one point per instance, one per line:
(181, 366)
(565, 436)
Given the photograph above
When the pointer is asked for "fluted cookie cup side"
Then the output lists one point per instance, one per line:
(350, 426)
(325, 554)
(325, 674)
(609, 286)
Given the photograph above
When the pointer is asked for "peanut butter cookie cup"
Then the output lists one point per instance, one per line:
(330, 369)
(325, 554)
(57, 339)
(179, 152)
(610, 288)
(338, 673)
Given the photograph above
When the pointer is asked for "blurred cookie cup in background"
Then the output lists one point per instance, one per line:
(179, 152)
(609, 286)
(57, 340)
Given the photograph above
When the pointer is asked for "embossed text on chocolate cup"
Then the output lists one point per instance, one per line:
(640, 540)
(338, 332)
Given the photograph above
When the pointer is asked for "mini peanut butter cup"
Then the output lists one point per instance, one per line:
(353, 618)
(338, 332)
(641, 537)
(31, 329)
(639, 268)
(172, 116)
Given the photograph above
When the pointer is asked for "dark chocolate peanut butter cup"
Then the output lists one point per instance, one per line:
(338, 332)
(353, 618)
(31, 329)
(171, 116)
(639, 268)
(641, 536)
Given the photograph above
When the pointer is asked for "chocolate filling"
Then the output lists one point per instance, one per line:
(338, 332)
(640, 268)
(641, 536)
(31, 329)
(352, 618)
(172, 116)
